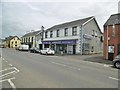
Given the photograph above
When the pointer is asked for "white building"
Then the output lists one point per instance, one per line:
(77, 37)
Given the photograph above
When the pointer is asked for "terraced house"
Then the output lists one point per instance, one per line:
(112, 37)
(76, 37)
(12, 42)
(33, 39)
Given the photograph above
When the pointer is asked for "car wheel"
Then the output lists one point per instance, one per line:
(117, 65)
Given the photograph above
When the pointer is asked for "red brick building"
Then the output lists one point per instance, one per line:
(112, 37)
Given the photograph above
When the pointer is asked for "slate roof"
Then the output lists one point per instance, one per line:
(80, 22)
(11, 37)
(31, 33)
(114, 19)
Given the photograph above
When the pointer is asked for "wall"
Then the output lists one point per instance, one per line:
(15, 40)
(95, 41)
(113, 40)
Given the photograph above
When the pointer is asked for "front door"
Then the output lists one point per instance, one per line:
(74, 49)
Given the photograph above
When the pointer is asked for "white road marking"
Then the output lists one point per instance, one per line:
(65, 65)
(6, 61)
(113, 78)
(12, 84)
(9, 73)
(7, 69)
(6, 79)
(10, 64)
(105, 65)
(3, 59)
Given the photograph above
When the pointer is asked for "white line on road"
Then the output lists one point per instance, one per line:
(6, 79)
(65, 65)
(3, 59)
(6, 61)
(113, 78)
(12, 84)
(10, 64)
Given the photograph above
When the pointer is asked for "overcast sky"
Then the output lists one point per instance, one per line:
(20, 16)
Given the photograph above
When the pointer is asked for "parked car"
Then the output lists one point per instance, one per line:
(23, 47)
(34, 50)
(47, 51)
(116, 61)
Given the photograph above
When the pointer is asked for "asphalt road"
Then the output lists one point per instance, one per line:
(29, 70)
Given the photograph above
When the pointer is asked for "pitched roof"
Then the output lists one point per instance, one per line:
(114, 19)
(31, 33)
(80, 22)
(11, 37)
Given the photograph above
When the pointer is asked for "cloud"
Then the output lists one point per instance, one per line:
(19, 17)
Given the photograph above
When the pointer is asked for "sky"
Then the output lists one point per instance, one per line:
(20, 16)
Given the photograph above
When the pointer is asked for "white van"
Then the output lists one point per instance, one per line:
(23, 48)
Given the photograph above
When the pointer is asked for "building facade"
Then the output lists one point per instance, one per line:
(77, 37)
(12, 42)
(112, 37)
(33, 39)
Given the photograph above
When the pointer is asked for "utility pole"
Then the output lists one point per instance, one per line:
(42, 28)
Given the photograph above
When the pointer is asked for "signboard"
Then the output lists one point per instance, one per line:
(110, 49)
(60, 42)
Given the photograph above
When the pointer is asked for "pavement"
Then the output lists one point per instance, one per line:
(96, 58)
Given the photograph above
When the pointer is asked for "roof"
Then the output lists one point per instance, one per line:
(113, 19)
(80, 22)
(11, 37)
(31, 33)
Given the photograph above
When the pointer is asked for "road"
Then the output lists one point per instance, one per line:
(29, 70)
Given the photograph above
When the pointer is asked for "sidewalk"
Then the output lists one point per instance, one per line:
(98, 58)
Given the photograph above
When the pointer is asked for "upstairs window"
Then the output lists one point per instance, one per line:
(46, 34)
(66, 32)
(74, 31)
(58, 33)
(51, 34)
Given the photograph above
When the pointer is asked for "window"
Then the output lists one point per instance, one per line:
(58, 33)
(96, 34)
(51, 34)
(29, 39)
(74, 31)
(24, 40)
(12, 42)
(32, 39)
(46, 34)
(15, 42)
(93, 33)
(66, 32)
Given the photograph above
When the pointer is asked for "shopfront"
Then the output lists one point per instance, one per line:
(62, 45)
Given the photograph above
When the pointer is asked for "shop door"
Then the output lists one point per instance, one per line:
(40, 46)
(74, 49)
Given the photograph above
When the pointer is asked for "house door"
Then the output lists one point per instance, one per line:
(74, 49)
(110, 56)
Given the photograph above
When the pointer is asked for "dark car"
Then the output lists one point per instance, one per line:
(116, 61)
(34, 50)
